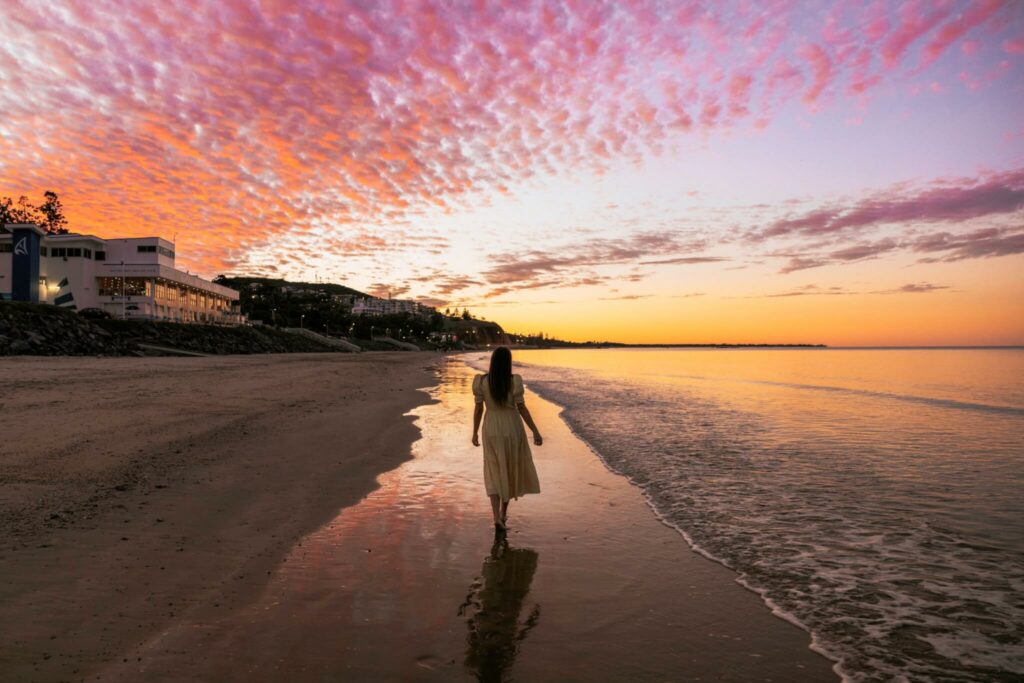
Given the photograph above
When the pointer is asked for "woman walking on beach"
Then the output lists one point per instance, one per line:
(508, 463)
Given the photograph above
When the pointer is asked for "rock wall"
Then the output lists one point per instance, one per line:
(215, 339)
(42, 330)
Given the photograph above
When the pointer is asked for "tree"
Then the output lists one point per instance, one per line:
(466, 315)
(52, 213)
(22, 212)
(49, 214)
(5, 212)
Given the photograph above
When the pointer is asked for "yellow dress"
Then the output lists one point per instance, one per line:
(508, 463)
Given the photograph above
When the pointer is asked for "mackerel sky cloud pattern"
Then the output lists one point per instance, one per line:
(349, 130)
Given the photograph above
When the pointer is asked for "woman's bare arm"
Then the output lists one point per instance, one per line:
(528, 419)
(478, 412)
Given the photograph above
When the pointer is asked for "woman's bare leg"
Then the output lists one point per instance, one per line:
(496, 510)
(504, 511)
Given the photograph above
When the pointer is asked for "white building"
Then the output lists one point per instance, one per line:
(371, 305)
(131, 278)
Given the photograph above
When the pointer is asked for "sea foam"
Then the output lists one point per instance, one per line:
(899, 564)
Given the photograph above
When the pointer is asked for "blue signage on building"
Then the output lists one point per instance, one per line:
(25, 263)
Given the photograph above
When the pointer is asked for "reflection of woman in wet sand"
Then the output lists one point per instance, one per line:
(508, 463)
(492, 610)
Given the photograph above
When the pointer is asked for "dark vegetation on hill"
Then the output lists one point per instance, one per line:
(323, 308)
(326, 308)
(476, 332)
(242, 282)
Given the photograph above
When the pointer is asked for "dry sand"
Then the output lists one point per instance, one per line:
(404, 584)
(135, 490)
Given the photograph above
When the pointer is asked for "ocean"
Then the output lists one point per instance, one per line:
(871, 496)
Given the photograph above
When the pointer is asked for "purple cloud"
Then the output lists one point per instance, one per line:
(573, 264)
(919, 288)
(815, 290)
(962, 200)
(984, 243)
(684, 261)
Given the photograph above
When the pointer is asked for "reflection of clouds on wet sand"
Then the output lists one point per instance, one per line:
(492, 608)
(369, 596)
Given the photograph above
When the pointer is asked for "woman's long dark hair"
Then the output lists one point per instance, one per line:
(499, 377)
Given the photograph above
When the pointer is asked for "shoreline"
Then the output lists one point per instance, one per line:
(137, 490)
(815, 644)
(590, 587)
(354, 560)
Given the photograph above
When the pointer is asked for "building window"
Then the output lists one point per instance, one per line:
(101, 256)
(74, 252)
(147, 248)
(42, 251)
(87, 253)
(131, 286)
(165, 252)
(58, 252)
(5, 248)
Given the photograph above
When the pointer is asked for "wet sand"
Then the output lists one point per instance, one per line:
(138, 493)
(409, 584)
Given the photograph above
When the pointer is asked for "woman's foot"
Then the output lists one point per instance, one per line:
(499, 527)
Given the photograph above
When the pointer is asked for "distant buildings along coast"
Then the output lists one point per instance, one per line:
(371, 305)
(132, 278)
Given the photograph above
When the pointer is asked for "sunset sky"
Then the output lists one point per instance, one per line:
(642, 171)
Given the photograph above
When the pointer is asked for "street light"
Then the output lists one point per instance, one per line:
(302, 324)
(124, 313)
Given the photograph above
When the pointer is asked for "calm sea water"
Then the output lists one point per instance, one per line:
(874, 497)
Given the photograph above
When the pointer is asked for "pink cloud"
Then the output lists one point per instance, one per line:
(916, 21)
(839, 227)
(739, 94)
(249, 122)
(821, 70)
(984, 243)
(944, 201)
(578, 264)
(860, 252)
(953, 30)
(919, 288)
(815, 290)
(387, 290)
(684, 261)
